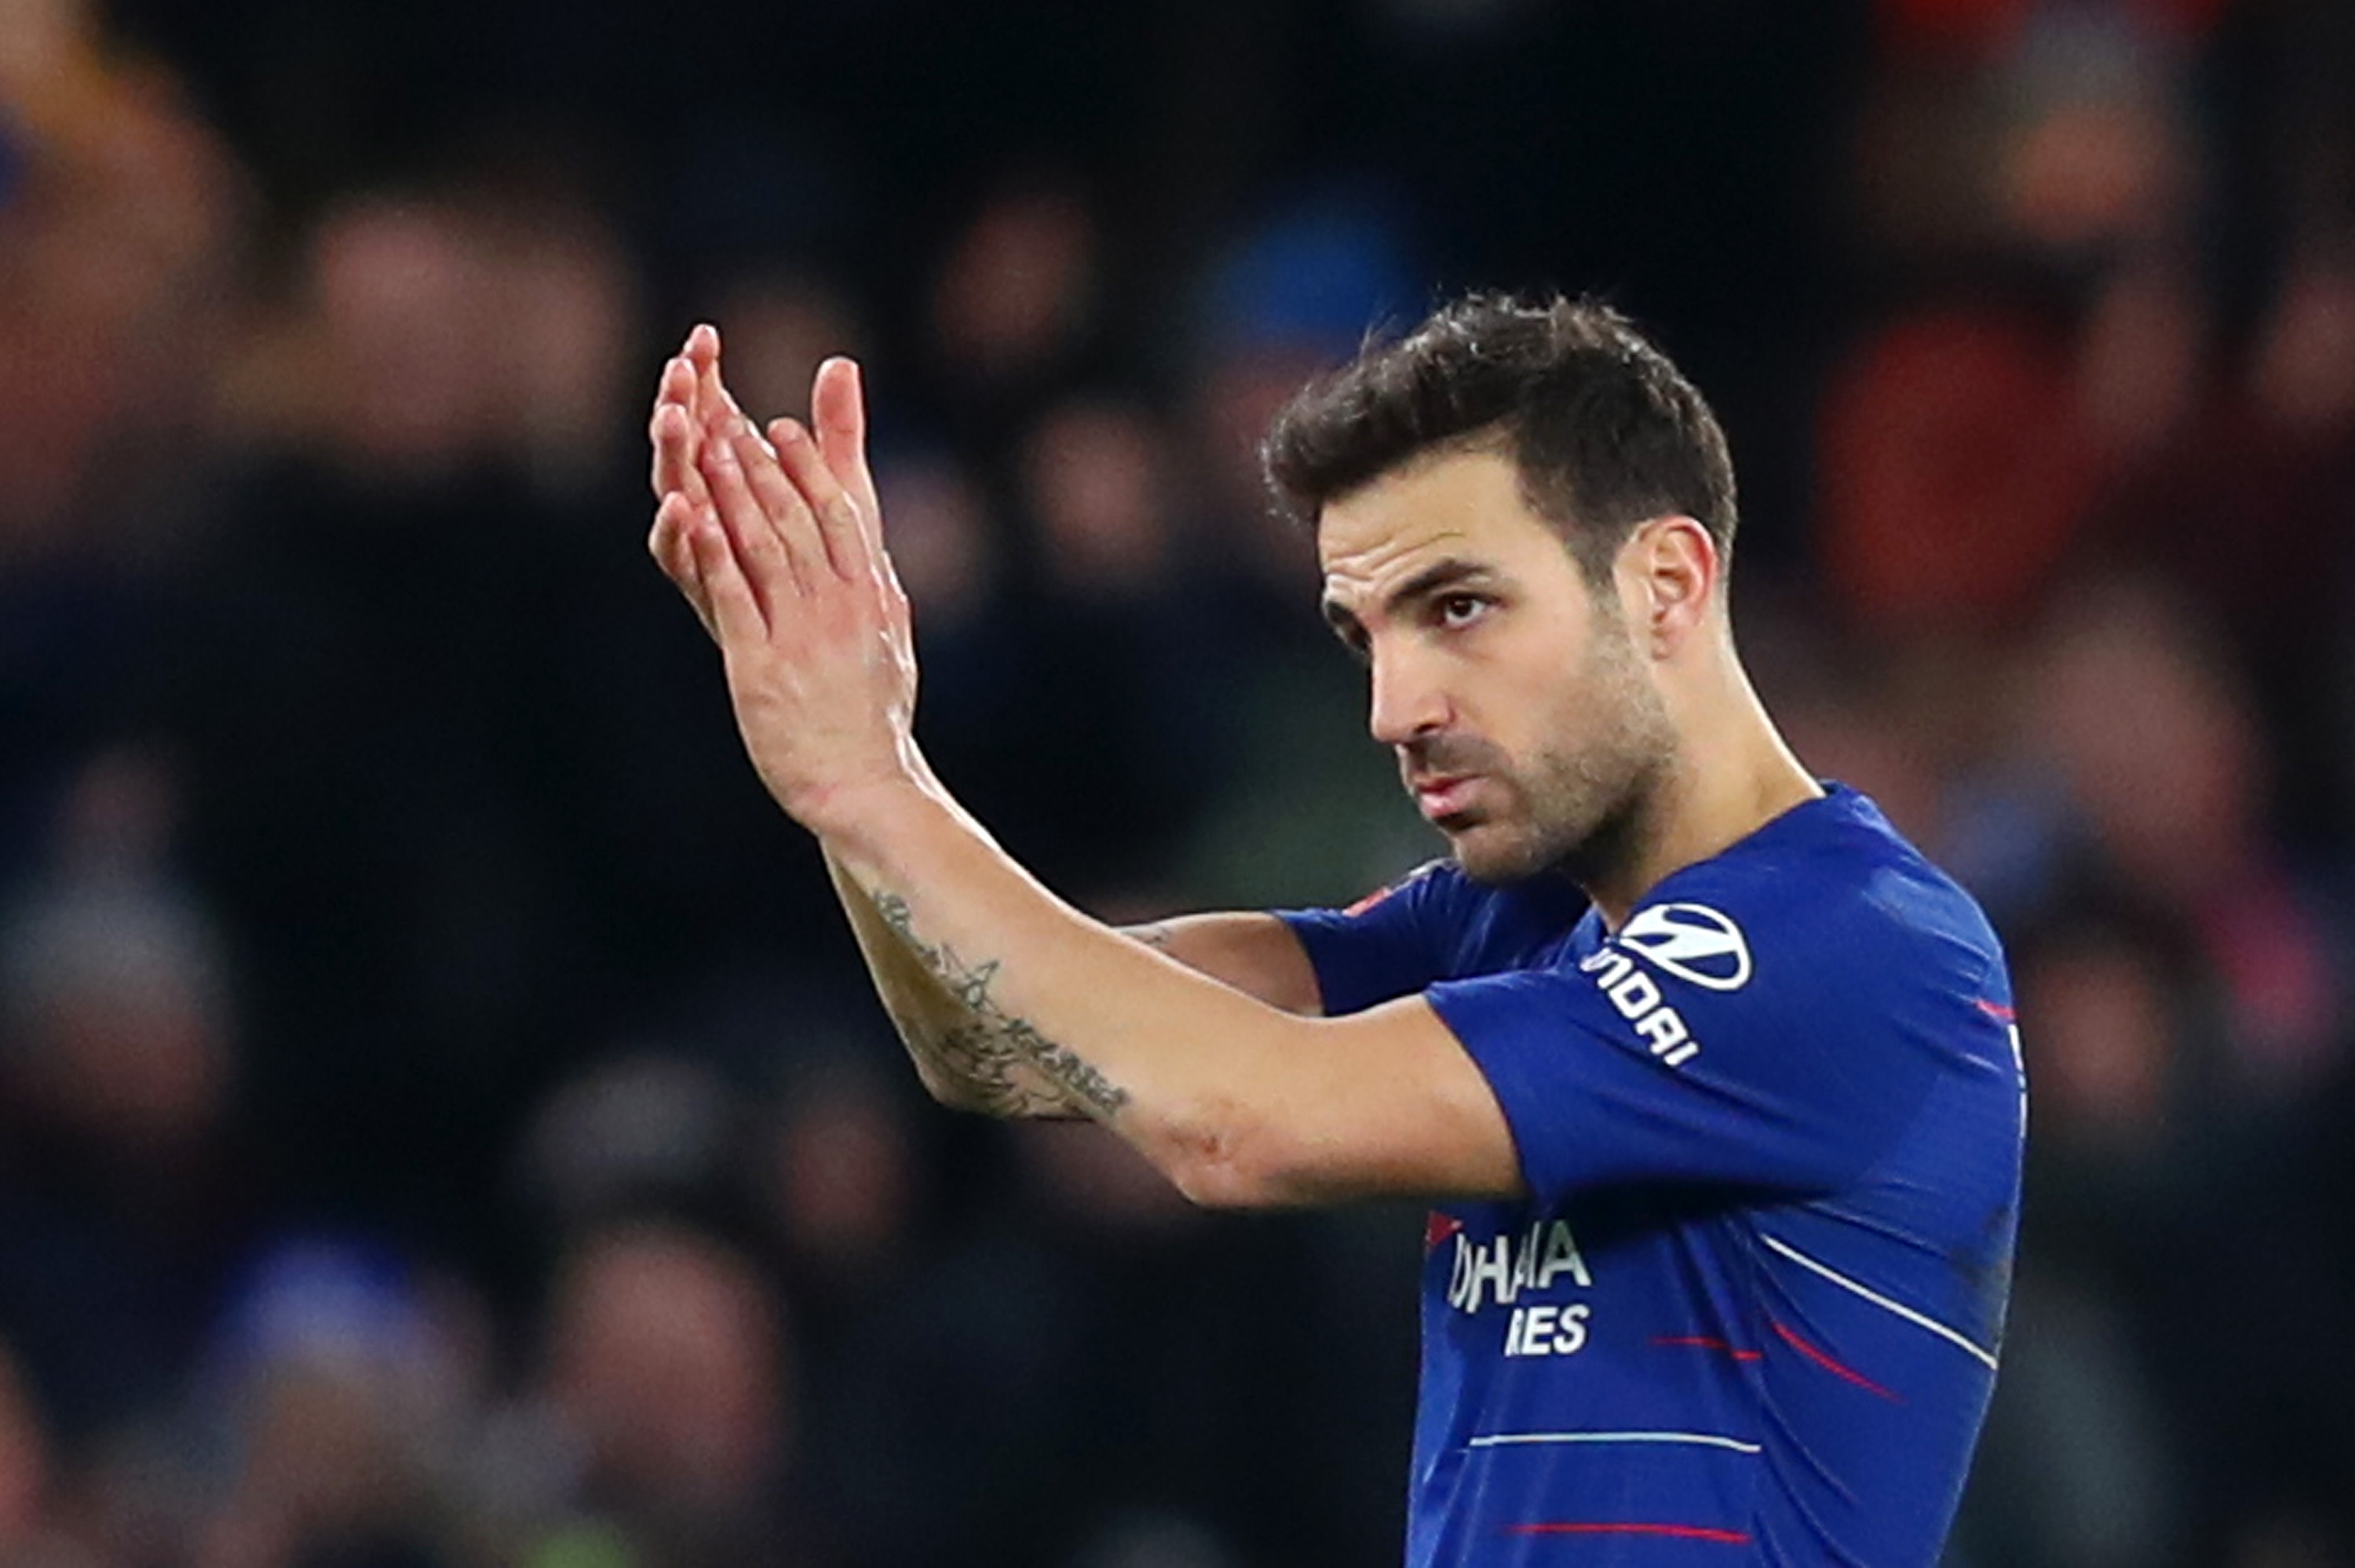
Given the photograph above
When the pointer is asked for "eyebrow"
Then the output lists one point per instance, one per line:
(1450, 572)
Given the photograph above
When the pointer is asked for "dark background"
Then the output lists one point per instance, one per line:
(442, 1119)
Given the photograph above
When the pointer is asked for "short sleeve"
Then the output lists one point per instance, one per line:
(1709, 1045)
(1392, 943)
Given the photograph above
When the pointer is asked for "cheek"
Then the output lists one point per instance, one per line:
(1520, 678)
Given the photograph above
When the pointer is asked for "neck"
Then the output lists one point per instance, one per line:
(1730, 774)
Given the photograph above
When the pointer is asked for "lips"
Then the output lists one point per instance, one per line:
(1443, 796)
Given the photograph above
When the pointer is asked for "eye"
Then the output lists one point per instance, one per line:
(1456, 611)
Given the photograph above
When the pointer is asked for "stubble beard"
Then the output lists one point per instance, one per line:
(1584, 812)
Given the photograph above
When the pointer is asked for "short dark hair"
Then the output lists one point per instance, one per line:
(1605, 431)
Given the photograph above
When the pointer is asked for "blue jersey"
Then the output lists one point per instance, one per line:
(1770, 1130)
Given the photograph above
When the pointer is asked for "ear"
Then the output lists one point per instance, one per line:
(1669, 574)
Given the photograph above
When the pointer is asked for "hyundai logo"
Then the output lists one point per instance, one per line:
(1692, 942)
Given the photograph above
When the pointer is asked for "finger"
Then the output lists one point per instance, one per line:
(668, 542)
(838, 414)
(691, 352)
(675, 384)
(790, 511)
(851, 547)
(715, 405)
(759, 550)
(839, 410)
(674, 552)
(857, 546)
(736, 617)
(699, 596)
(721, 421)
(717, 414)
(675, 436)
(720, 417)
(702, 347)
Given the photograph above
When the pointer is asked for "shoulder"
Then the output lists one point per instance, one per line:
(1831, 902)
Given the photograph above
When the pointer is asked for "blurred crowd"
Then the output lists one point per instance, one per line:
(441, 1121)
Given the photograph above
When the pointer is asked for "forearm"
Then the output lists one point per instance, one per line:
(961, 1061)
(1176, 1062)
(965, 1063)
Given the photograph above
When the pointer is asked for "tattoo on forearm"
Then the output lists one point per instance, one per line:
(983, 1066)
(986, 1053)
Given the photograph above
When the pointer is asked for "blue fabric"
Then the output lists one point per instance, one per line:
(1772, 1133)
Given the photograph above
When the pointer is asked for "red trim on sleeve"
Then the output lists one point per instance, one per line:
(1681, 1531)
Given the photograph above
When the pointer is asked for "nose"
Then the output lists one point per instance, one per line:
(1409, 701)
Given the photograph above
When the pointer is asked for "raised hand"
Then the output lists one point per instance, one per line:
(692, 403)
(778, 545)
